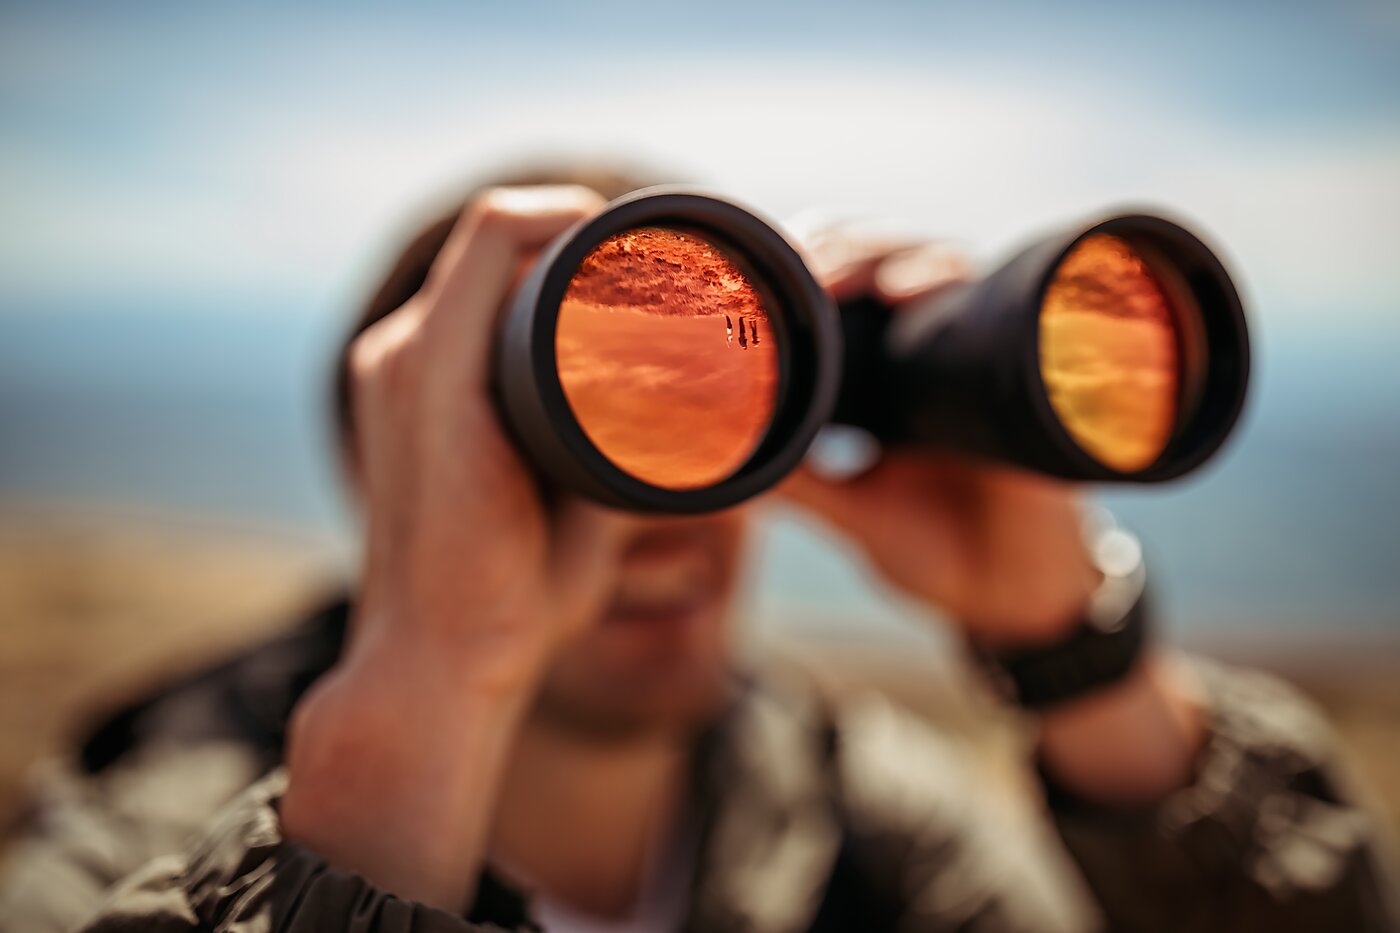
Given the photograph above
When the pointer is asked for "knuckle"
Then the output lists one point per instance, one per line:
(492, 209)
(381, 355)
(363, 358)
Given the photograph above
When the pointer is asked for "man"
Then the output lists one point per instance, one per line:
(535, 719)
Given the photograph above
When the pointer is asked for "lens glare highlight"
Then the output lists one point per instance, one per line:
(666, 357)
(1109, 353)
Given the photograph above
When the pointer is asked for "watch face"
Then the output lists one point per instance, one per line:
(1118, 556)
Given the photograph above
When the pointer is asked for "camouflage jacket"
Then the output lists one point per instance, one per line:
(813, 816)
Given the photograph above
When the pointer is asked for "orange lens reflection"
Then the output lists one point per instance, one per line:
(1109, 353)
(666, 356)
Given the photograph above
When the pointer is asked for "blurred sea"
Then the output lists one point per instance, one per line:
(1296, 527)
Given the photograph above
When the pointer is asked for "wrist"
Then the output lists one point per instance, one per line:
(1045, 596)
(388, 715)
(1046, 610)
(1100, 648)
(393, 768)
(478, 648)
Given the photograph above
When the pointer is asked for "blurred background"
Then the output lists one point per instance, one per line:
(195, 197)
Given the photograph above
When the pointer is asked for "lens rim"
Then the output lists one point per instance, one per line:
(532, 398)
(1200, 432)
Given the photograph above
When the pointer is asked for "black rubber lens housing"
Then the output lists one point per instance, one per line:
(961, 371)
(537, 413)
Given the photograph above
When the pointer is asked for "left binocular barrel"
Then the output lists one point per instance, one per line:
(674, 354)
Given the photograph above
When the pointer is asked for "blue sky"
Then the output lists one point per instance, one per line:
(194, 195)
(267, 153)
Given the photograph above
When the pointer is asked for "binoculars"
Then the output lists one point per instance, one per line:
(675, 354)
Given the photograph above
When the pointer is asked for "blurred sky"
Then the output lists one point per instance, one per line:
(194, 195)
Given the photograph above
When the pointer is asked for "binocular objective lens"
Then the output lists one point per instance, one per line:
(1111, 353)
(666, 356)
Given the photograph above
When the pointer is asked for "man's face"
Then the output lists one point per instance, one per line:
(660, 655)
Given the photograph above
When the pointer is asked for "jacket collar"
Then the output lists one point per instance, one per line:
(770, 831)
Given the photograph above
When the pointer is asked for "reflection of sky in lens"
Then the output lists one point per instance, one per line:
(186, 189)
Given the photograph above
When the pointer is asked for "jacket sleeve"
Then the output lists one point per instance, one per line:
(243, 875)
(1269, 837)
(83, 832)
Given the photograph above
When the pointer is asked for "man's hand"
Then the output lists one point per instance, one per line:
(469, 585)
(462, 557)
(999, 550)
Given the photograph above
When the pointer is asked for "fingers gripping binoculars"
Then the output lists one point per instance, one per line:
(675, 354)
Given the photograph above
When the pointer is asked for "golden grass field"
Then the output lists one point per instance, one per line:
(97, 606)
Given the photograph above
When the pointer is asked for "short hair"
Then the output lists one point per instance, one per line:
(410, 270)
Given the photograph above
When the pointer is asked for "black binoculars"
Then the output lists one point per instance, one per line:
(675, 354)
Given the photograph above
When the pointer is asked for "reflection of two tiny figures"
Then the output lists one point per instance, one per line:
(743, 341)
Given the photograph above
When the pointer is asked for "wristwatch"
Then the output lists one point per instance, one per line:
(1101, 649)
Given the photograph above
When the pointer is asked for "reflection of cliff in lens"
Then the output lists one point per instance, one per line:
(665, 354)
(1109, 353)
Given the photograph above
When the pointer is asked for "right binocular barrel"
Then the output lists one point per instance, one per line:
(1116, 352)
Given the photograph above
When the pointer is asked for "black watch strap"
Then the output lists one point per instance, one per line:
(1102, 648)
